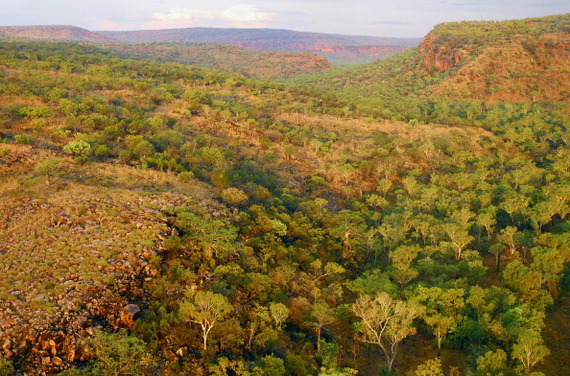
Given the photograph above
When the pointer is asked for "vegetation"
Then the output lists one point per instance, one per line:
(263, 64)
(273, 230)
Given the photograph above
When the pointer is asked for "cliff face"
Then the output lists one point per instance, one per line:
(521, 60)
(438, 56)
(333, 52)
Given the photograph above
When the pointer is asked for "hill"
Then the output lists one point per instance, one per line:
(68, 33)
(263, 64)
(520, 60)
(336, 48)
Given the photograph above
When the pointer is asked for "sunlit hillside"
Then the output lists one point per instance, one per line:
(158, 218)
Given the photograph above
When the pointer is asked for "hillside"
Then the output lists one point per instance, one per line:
(68, 33)
(158, 218)
(263, 64)
(341, 49)
(519, 61)
(336, 48)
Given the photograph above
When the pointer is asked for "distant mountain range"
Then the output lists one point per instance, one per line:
(336, 48)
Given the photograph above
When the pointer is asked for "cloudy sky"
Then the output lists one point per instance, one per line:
(395, 18)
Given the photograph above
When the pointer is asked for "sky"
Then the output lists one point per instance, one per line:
(389, 18)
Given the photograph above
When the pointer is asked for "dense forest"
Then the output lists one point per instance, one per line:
(159, 218)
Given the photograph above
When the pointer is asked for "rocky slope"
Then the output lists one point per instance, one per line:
(74, 255)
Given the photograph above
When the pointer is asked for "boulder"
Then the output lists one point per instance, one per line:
(129, 314)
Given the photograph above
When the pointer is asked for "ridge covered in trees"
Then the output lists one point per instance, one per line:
(180, 220)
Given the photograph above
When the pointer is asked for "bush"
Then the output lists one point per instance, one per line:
(81, 150)
(234, 196)
(22, 139)
(6, 367)
(120, 354)
(77, 148)
(185, 177)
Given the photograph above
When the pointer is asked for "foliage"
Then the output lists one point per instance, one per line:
(206, 309)
(6, 367)
(345, 229)
(431, 367)
(120, 354)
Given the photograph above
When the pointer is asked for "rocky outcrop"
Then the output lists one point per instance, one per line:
(504, 61)
(71, 266)
(438, 56)
(334, 52)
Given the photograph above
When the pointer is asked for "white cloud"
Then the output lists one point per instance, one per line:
(177, 16)
(246, 12)
(242, 15)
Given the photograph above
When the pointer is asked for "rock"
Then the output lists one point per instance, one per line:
(52, 347)
(182, 352)
(56, 361)
(46, 360)
(128, 314)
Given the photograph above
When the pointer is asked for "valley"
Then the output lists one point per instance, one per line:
(169, 208)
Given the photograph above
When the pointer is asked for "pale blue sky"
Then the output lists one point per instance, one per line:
(392, 18)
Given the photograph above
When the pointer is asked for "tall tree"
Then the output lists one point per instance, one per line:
(206, 309)
(443, 310)
(385, 321)
(530, 349)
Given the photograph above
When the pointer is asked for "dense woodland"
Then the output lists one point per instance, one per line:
(332, 230)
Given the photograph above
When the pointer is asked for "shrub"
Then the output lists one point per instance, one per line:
(22, 139)
(6, 367)
(77, 148)
(234, 196)
(81, 150)
(185, 176)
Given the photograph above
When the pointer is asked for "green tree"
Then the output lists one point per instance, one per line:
(259, 329)
(385, 322)
(120, 354)
(211, 236)
(401, 269)
(80, 149)
(234, 196)
(322, 315)
(269, 365)
(492, 362)
(47, 168)
(6, 367)
(206, 309)
(443, 310)
(459, 237)
(530, 349)
(431, 367)
(279, 313)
